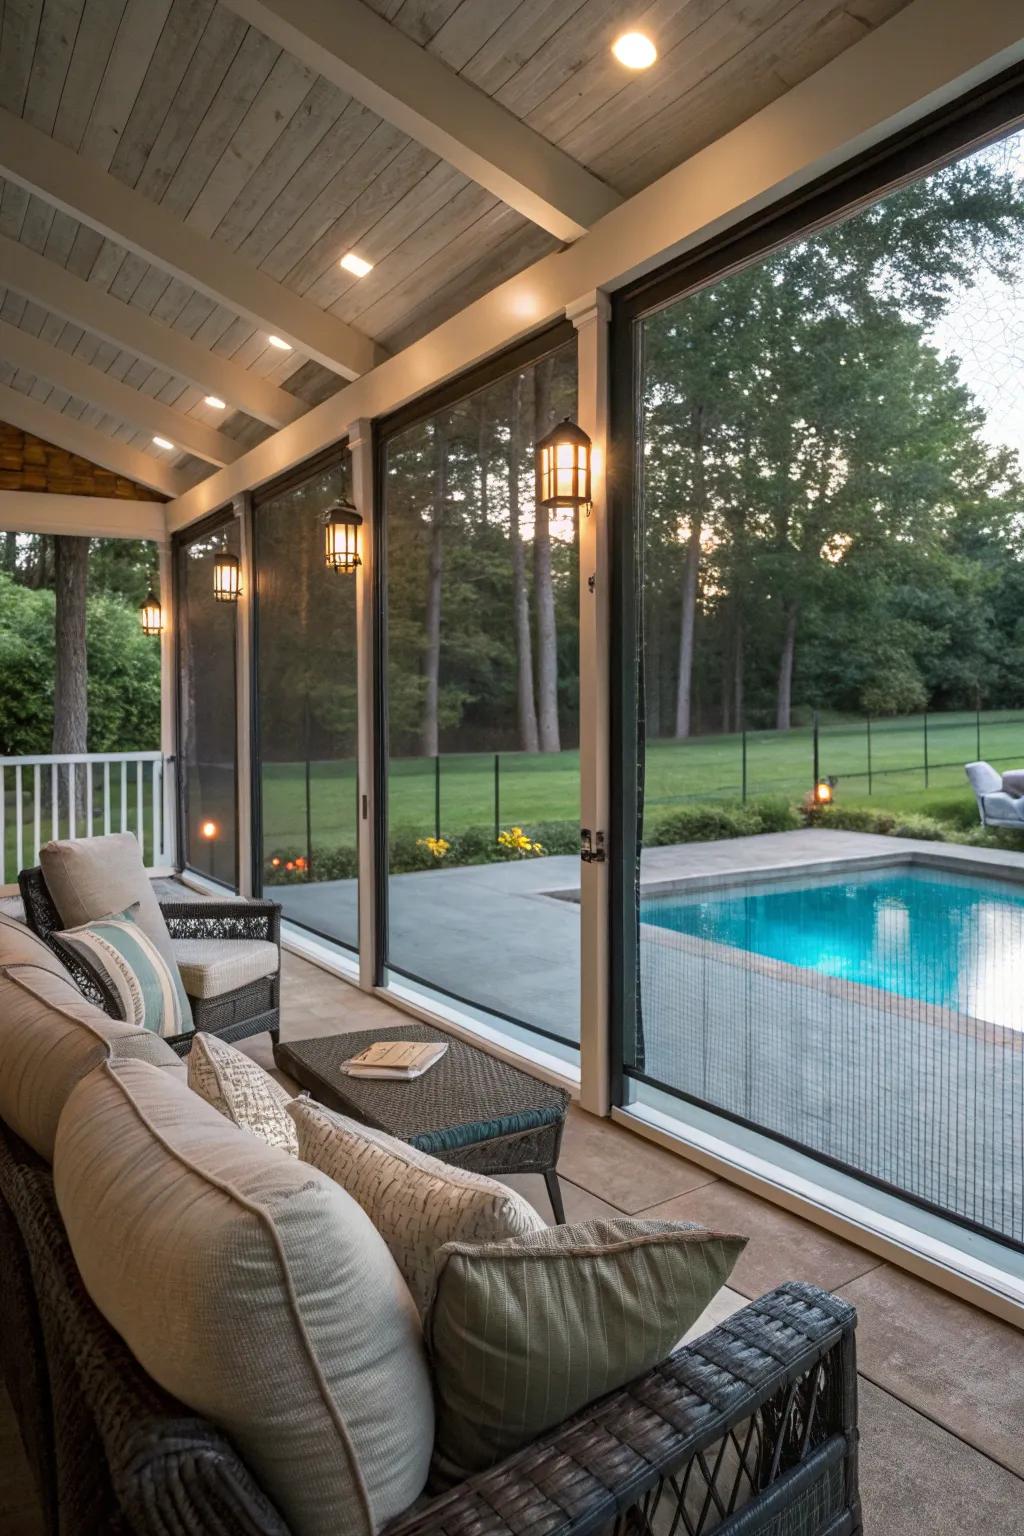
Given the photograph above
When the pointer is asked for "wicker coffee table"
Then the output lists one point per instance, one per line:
(470, 1109)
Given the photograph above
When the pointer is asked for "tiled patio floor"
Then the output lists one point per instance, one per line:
(942, 1385)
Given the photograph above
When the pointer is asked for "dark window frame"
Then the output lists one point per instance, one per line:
(984, 116)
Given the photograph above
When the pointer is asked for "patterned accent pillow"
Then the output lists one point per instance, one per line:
(522, 1334)
(416, 1202)
(129, 967)
(243, 1092)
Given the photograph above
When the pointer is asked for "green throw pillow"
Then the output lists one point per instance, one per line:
(526, 1332)
(133, 972)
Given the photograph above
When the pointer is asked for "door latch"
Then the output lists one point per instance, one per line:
(591, 849)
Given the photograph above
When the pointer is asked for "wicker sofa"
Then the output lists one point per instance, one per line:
(205, 935)
(752, 1429)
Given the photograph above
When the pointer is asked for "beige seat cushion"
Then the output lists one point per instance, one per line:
(416, 1202)
(255, 1290)
(211, 967)
(51, 1037)
(91, 877)
(241, 1091)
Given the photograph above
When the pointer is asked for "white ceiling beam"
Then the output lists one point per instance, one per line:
(95, 387)
(75, 437)
(94, 517)
(881, 84)
(354, 48)
(128, 327)
(43, 165)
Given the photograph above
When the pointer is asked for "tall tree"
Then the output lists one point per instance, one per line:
(526, 709)
(543, 587)
(71, 678)
(432, 609)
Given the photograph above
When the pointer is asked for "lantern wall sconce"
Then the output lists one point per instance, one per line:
(563, 467)
(227, 578)
(341, 538)
(150, 615)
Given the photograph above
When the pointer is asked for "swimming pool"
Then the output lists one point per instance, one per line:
(931, 935)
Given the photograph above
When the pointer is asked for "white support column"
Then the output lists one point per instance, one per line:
(168, 715)
(360, 446)
(242, 507)
(590, 315)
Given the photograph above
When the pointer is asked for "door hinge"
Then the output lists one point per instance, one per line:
(591, 850)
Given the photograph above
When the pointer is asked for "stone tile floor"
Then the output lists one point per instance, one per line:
(942, 1384)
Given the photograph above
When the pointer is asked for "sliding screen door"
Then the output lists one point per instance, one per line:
(206, 701)
(481, 592)
(306, 706)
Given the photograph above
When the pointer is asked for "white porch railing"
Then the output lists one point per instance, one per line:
(80, 795)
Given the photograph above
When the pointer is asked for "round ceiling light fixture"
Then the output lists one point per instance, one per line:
(635, 50)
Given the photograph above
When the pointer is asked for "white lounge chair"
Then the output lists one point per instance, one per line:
(995, 807)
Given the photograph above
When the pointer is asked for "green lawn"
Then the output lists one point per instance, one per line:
(541, 787)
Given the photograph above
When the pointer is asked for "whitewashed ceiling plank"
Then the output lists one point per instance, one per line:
(423, 19)
(100, 20)
(303, 133)
(287, 87)
(396, 272)
(55, 42)
(392, 207)
(564, 55)
(19, 28)
(208, 66)
(329, 159)
(370, 161)
(172, 57)
(493, 51)
(130, 56)
(247, 76)
(801, 42)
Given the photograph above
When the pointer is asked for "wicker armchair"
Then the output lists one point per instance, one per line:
(248, 1010)
(750, 1431)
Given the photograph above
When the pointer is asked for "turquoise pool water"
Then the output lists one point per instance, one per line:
(937, 937)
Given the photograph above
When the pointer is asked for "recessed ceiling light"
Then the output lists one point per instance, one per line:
(635, 50)
(355, 264)
(162, 442)
(216, 402)
(280, 343)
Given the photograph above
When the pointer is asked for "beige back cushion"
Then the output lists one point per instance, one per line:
(91, 877)
(20, 946)
(50, 1037)
(255, 1290)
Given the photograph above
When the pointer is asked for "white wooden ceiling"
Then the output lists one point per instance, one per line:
(258, 155)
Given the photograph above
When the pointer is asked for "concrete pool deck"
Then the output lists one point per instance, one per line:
(917, 1096)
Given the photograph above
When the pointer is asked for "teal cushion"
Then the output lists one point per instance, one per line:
(135, 974)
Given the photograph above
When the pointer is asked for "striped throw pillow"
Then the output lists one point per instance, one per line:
(524, 1333)
(132, 970)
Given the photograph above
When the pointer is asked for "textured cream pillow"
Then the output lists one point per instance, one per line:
(50, 1037)
(242, 1091)
(416, 1203)
(523, 1334)
(255, 1290)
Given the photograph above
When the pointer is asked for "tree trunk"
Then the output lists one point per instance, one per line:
(432, 619)
(483, 454)
(70, 685)
(543, 587)
(526, 709)
(10, 560)
(691, 575)
(784, 698)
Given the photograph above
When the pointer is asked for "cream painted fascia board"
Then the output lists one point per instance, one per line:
(368, 58)
(95, 387)
(29, 416)
(48, 168)
(95, 517)
(925, 57)
(127, 326)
